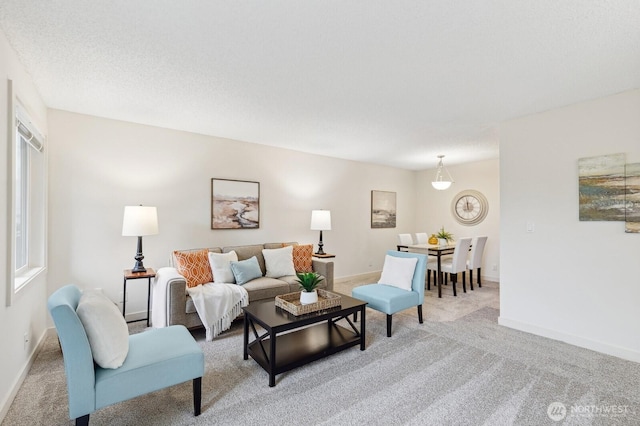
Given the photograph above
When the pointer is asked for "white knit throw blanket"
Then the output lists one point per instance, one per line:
(218, 305)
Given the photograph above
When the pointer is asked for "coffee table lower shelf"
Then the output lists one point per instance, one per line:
(302, 347)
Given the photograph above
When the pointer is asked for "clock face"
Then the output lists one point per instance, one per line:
(469, 207)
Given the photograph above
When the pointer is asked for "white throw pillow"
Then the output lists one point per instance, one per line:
(398, 271)
(279, 262)
(221, 267)
(106, 329)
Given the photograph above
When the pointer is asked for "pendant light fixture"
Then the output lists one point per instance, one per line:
(442, 182)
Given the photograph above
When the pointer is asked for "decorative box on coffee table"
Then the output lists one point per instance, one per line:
(290, 302)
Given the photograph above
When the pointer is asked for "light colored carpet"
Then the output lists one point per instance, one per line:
(468, 371)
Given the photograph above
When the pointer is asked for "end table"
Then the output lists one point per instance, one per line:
(324, 256)
(129, 275)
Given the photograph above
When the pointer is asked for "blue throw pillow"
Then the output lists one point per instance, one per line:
(246, 270)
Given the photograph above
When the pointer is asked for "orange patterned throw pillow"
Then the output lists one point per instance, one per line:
(302, 258)
(194, 266)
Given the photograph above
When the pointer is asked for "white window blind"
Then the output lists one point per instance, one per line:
(28, 131)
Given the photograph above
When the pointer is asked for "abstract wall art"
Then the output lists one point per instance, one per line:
(383, 209)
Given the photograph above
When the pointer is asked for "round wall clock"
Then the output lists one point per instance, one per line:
(469, 207)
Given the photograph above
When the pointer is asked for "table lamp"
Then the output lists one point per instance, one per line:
(320, 221)
(139, 221)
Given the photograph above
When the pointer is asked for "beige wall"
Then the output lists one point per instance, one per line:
(569, 280)
(27, 313)
(433, 208)
(97, 166)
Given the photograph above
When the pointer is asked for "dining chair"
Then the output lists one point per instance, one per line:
(475, 259)
(454, 265)
(422, 238)
(404, 240)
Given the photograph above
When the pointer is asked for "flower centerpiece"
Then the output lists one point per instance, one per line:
(308, 282)
(444, 237)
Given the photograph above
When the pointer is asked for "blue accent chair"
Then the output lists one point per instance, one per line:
(156, 359)
(389, 299)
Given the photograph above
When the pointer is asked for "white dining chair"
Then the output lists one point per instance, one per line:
(475, 259)
(454, 265)
(422, 238)
(404, 240)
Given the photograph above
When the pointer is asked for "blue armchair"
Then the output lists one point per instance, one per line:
(156, 359)
(390, 299)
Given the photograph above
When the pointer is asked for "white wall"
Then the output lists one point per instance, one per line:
(27, 313)
(433, 208)
(569, 280)
(97, 166)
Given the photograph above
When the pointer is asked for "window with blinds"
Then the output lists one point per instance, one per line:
(28, 201)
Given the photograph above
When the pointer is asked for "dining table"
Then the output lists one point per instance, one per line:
(434, 250)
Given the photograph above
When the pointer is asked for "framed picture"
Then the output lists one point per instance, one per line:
(601, 188)
(383, 209)
(235, 204)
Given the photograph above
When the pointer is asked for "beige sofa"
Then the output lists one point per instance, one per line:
(180, 308)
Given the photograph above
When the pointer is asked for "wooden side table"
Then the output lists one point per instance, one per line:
(324, 256)
(128, 275)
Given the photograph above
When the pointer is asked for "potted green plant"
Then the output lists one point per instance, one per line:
(444, 237)
(308, 282)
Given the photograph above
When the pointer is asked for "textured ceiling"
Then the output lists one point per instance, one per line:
(387, 82)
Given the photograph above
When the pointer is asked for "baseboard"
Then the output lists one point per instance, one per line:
(571, 339)
(372, 276)
(6, 403)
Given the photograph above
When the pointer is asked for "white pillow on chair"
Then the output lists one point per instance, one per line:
(398, 271)
(106, 329)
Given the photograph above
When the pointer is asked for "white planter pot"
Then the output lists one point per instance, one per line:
(308, 297)
(442, 242)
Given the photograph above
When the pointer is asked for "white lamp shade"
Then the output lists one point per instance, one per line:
(320, 220)
(139, 221)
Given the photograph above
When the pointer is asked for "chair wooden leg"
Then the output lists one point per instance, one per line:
(454, 279)
(389, 325)
(471, 279)
(420, 314)
(479, 283)
(464, 282)
(197, 395)
(82, 421)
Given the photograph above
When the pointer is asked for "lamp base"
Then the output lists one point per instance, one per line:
(320, 244)
(139, 267)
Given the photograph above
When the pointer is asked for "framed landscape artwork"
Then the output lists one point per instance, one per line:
(601, 186)
(632, 198)
(235, 204)
(383, 209)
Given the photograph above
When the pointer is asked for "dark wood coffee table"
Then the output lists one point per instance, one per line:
(322, 337)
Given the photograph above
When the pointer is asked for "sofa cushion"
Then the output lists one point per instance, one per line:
(265, 288)
(246, 270)
(221, 266)
(279, 262)
(106, 329)
(247, 252)
(303, 258)
(172, 257)
(294, 285)
(194, 266)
